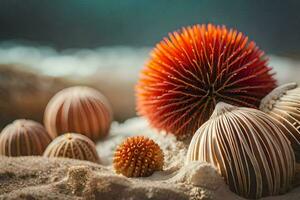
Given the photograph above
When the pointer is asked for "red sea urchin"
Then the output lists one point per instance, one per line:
(192, 70)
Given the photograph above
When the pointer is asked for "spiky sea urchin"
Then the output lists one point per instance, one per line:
(192, 70)
(138, 157)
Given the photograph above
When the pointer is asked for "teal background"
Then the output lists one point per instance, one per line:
(273, 24)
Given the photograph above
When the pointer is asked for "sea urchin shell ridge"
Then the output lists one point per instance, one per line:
(193, 69)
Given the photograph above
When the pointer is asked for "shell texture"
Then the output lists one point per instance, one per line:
(138, 157)
(283, 104)
(23, 138)
(195, 68)
(247, 148)
(78, 109)
(74, 146)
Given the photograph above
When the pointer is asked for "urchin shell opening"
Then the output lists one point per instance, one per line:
(221, 108)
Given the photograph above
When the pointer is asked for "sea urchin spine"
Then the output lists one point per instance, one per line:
(138, 157)
(192, 70)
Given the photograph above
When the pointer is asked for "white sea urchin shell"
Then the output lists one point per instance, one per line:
(248, 149)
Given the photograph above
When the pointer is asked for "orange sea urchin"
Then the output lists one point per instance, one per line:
(138, 157)
(192, 70)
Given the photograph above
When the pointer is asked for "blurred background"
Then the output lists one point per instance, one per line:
(64, 24)
(48, 45)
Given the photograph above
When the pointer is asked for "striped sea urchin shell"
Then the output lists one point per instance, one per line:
(283, 104)
(23, 138)
(248, 149)
(78, 109)
(73, 145)
(193, 69)
(138, 157)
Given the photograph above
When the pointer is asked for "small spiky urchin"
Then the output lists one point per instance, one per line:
(138, 157)
(192, 70)
(73, 145)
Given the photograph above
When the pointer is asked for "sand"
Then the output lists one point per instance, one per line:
(60, 178)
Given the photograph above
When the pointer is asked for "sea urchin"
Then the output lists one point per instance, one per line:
(192, 70)
(248, 148)
(74, 146)
(138, 157)
(23, 138)
(78, 109)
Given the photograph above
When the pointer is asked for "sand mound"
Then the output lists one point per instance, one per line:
(44, 178)
(37, 177)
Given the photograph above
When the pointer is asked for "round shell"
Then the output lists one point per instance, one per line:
(193, 69)
(73, 145)
(23, 138)
(283, 104)
(247, 148)
(78, 109)
(138, 157)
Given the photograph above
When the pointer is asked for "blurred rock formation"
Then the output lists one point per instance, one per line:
(24, 94)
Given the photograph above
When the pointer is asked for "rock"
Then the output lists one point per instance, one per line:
(25, 94)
